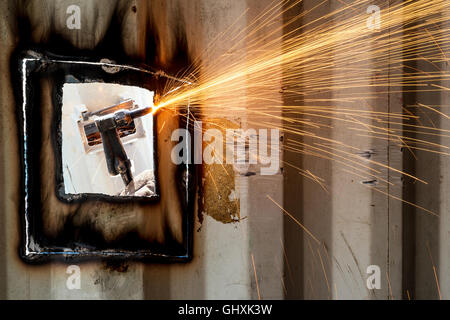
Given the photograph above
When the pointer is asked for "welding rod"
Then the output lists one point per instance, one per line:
(140, 112)
(124, 117)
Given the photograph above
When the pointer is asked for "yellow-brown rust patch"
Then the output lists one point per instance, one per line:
(219, 197)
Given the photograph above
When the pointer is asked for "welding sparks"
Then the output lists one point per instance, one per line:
(332, 70)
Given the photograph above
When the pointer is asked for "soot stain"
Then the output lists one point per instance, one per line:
(86, 236)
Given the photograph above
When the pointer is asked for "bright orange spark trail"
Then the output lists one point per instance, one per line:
(334, 53)
(312, 53)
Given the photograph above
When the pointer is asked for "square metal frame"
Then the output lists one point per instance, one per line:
(34, 65)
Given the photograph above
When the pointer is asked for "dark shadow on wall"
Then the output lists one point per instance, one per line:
(304, 276)
(170, 48)
(421, 230)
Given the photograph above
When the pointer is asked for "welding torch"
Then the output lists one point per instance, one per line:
(116, 158)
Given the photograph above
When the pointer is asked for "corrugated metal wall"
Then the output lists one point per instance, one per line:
(357, 227)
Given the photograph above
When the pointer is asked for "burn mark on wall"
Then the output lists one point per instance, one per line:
(99, 225)
(95, 226)
(152, 34)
